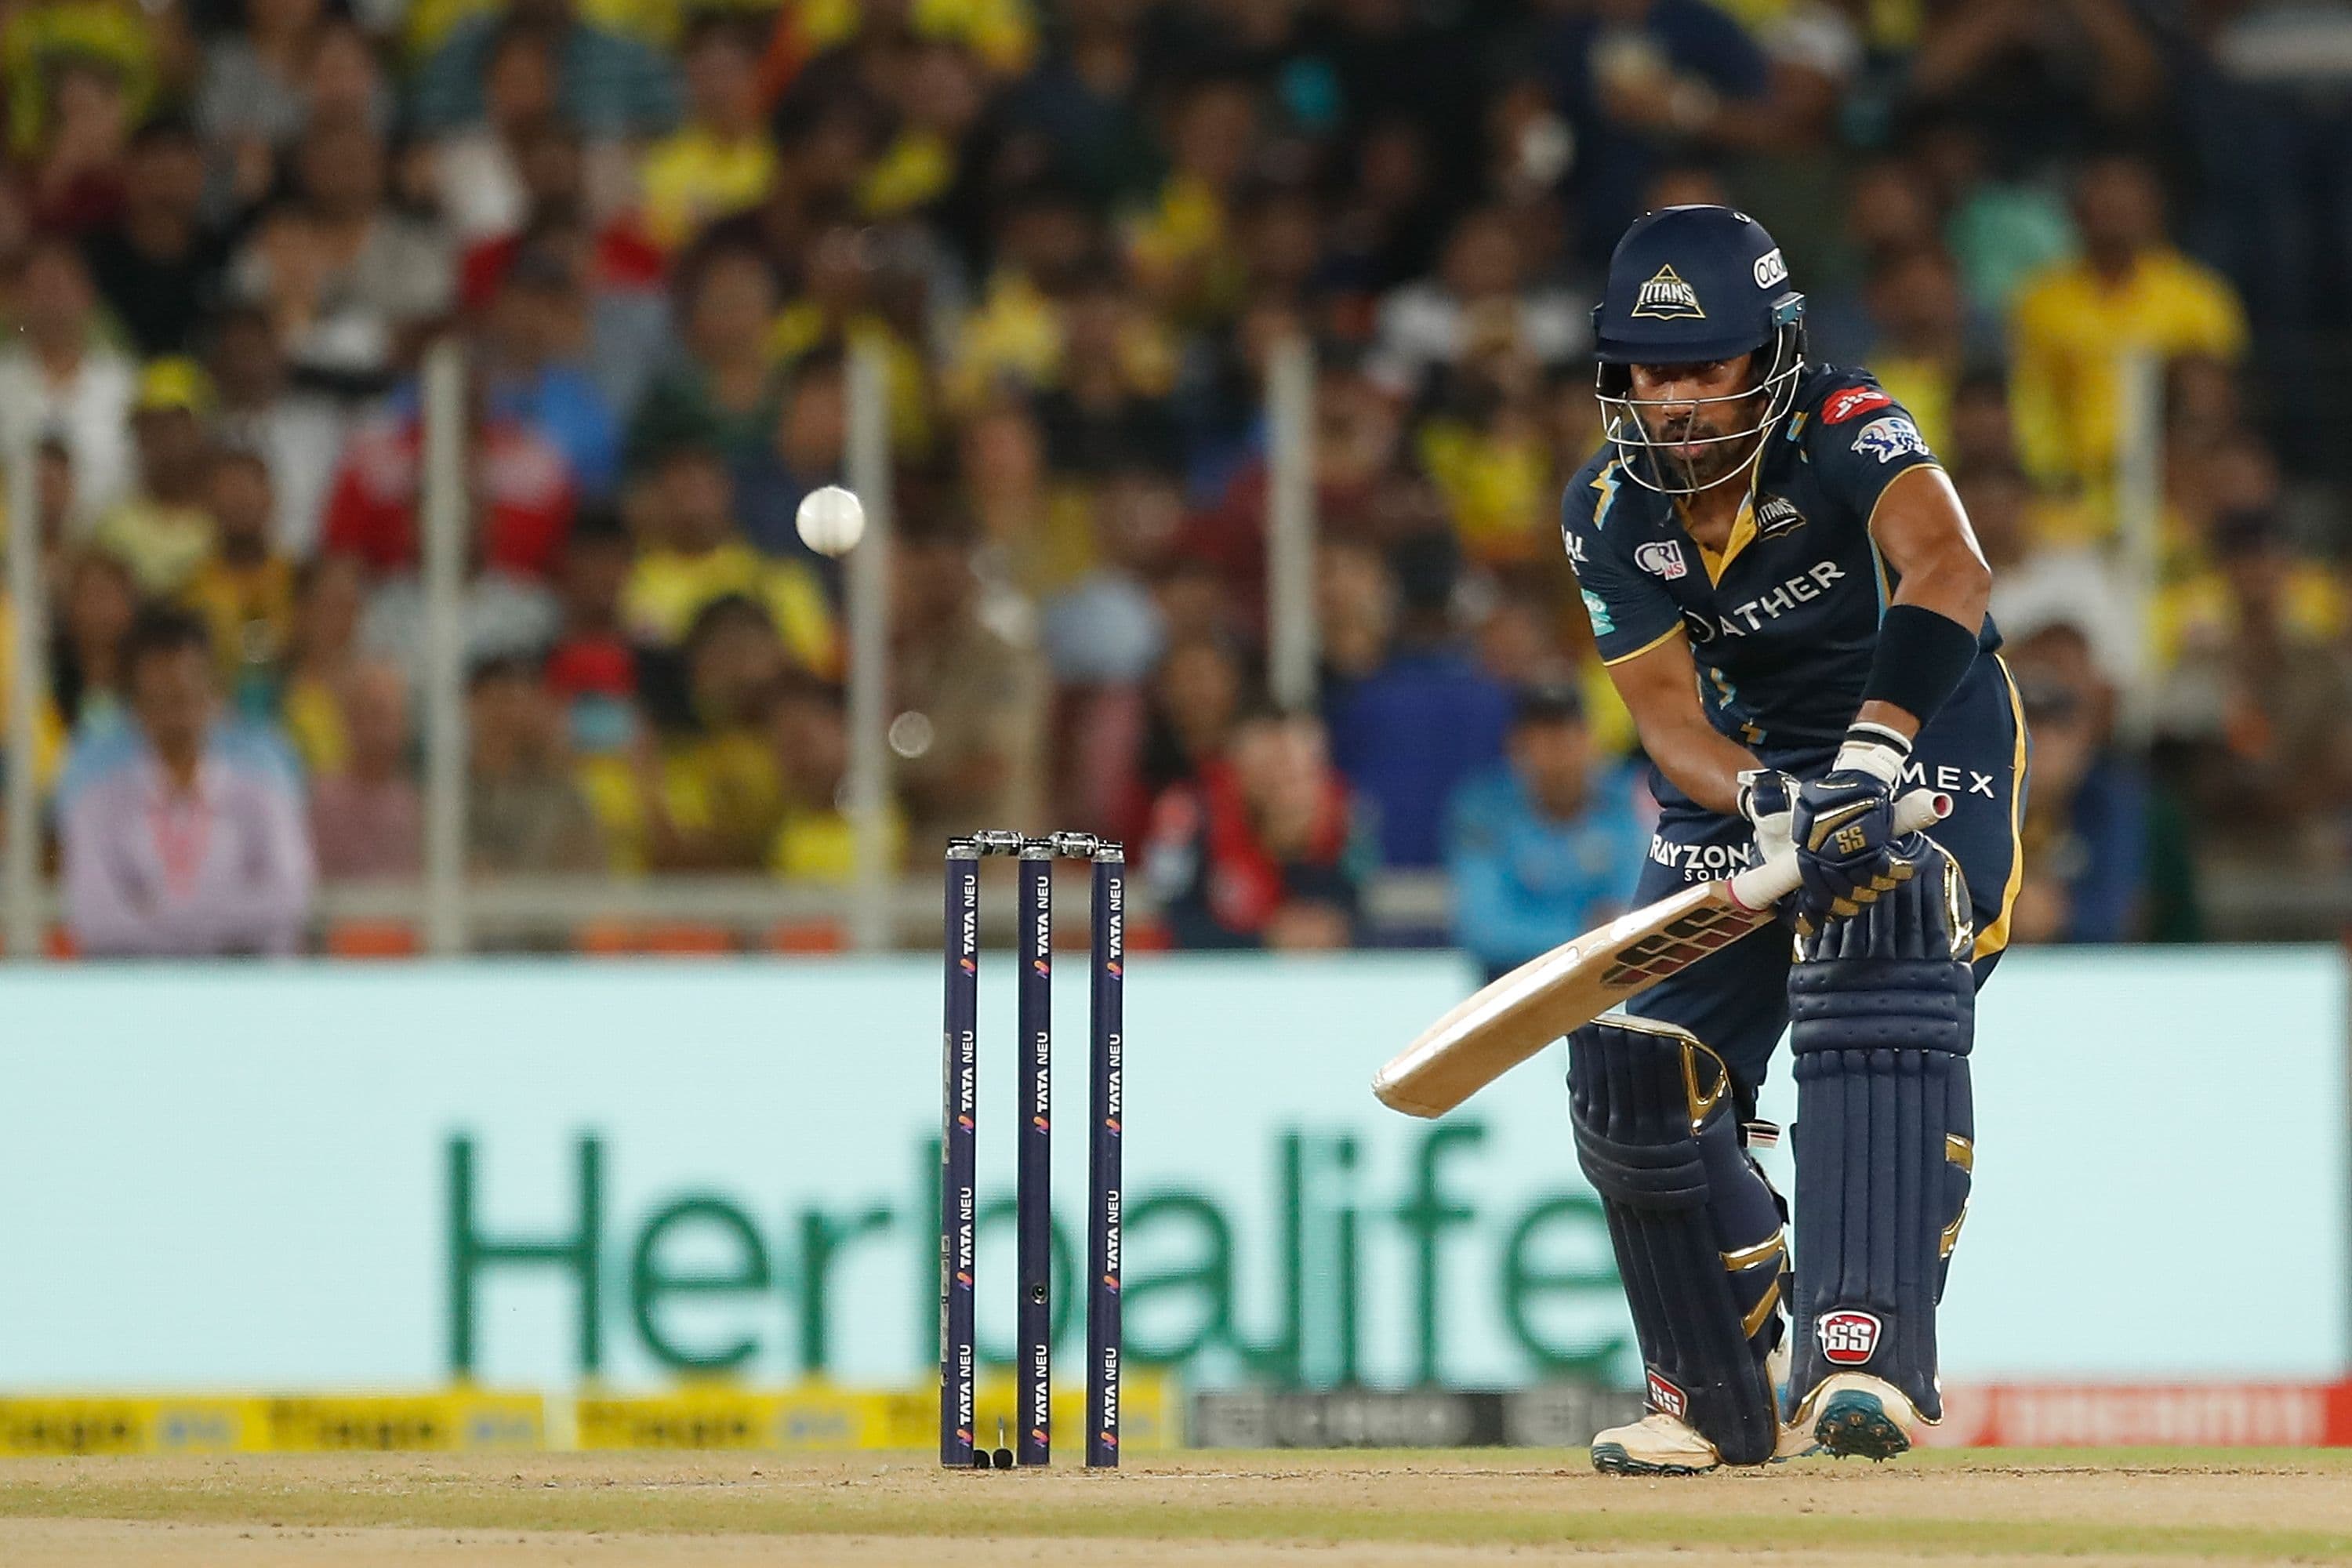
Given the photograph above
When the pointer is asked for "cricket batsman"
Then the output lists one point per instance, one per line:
(1787, 596)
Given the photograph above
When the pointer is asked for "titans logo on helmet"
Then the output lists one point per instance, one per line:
(1666, 297)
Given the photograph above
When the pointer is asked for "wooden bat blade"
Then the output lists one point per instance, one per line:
(1524, 1011)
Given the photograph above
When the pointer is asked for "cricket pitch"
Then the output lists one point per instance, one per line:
(1208, 1510)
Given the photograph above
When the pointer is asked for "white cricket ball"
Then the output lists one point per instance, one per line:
(831, 520)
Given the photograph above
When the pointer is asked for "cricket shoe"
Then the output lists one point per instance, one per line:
(1656, 1445)
(1853, 1414)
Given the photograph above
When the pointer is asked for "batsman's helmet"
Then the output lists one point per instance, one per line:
(1688, 285)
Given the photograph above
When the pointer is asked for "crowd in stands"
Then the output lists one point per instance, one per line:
(1074, 231)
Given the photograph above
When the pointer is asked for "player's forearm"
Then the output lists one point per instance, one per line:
(1699, 762)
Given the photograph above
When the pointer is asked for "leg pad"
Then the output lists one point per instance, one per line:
(1696, 1227)
(1883, 1007)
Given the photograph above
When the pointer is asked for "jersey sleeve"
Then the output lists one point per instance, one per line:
(1859, 439)
(1629, 612)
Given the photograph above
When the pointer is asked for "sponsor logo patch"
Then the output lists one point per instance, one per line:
(1662, 558)
(1603, 622)
(1666, 297)
(1665, 1396)
(1849, 1337)
(1840, 407)
(1777, 515)
(1889, 438)
(1770, 268)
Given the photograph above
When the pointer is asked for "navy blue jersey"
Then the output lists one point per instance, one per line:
(1782, 624)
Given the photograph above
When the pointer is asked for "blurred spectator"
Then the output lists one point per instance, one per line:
(367, 817)
(95, 608)
(1040, 532)
(243, 589)
(2077, 324)
(1181, 244)
(1633, 78)
(531, 373)
(1110, 405)
(523, 491)
(1082, 103)
(183, 837)
(1478, 301)
(75, 181)
(157, 263)
(74, 384)
(716, 388)
(477, 171)
(554, 167)
(803, 449)
(1107, 629)
(1409, 729)
(347, 281)
(696, 555)
(2035, 75)
(712, 792)
(1196, 695)
(1925, 340)
(1544, 849)
(721, 159)
(593, 662)
(1259, 849)
(815, 839)
(609, 85)
(329, 596)
(252, 101)
(2087, 829)
(39, 45)
(969, 698)
(2035, 587)
(162, 531)
(2271, 704)
(525, 814)
(298, 434)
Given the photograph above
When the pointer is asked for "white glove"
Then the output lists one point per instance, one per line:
(1767, 799)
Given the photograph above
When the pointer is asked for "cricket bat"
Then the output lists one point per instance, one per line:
(1543, 998)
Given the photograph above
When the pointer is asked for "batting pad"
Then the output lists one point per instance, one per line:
(1883, 1009)
(1695, 1227)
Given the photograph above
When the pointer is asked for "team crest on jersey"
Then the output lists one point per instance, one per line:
(1840, 407)
(1666, 297)
(1662, 558)
(1777, 515)
(1889, 438)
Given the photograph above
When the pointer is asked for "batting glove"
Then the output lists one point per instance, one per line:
(1844, 825)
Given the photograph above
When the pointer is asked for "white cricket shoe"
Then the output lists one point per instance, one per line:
(1852, 1413)
(1656, 1445)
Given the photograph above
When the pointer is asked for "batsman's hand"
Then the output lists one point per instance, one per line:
(1767, 799)
(1848, 852)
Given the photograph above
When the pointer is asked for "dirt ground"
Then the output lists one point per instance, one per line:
(1232, 1511)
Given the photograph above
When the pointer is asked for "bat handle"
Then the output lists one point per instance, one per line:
(1761, 887)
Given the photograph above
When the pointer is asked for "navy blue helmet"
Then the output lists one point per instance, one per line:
(1693, 286)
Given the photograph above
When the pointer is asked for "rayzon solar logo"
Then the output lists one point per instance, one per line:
(1278, 1282)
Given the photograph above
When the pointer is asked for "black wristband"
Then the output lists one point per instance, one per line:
(1921, 659)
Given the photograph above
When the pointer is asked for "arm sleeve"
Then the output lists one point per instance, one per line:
(1860, 439)
(1630, 614)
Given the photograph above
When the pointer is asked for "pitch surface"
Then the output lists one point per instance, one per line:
(1226, 1510)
